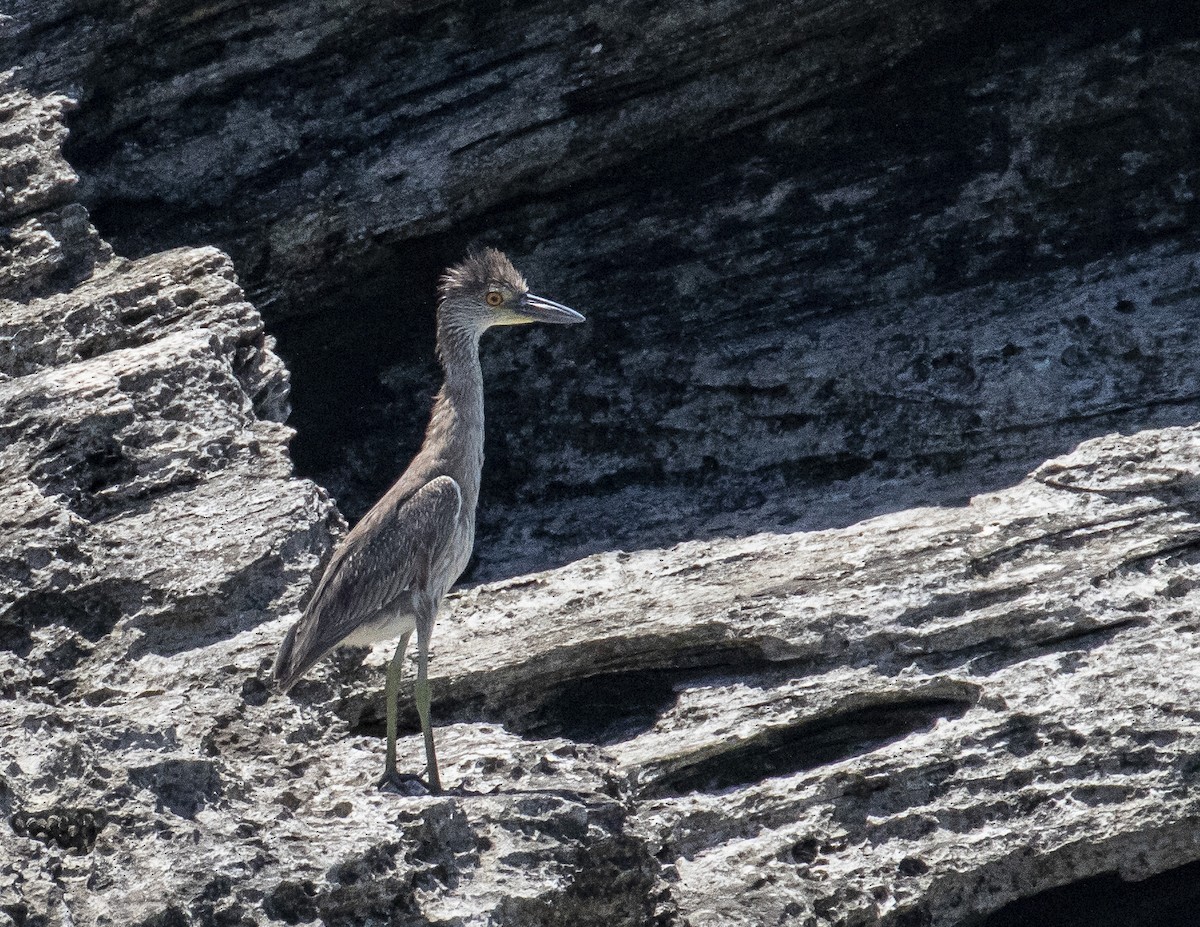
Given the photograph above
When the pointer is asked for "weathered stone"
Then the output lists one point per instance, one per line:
(907, 719)
(34, 175)
(327, 128)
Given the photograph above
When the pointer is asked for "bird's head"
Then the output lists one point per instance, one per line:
(485, 290)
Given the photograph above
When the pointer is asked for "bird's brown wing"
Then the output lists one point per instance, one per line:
(392, 550)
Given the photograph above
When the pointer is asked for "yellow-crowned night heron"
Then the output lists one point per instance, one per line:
(389, 576)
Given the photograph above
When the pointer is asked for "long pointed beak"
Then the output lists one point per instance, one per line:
(546, 310)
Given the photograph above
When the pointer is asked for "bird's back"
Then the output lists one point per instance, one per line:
(404, 544)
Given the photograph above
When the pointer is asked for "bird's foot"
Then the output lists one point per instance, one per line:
(407, 784)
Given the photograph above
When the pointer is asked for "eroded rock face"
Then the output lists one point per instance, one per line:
(911, 720)
(328, 127)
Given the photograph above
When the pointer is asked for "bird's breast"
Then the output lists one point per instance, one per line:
(460, 552)
(387, 624)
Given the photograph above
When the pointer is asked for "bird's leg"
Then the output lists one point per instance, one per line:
(421, 694)
(395, 668)
(391, 777)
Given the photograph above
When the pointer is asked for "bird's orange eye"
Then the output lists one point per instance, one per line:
(493, 298)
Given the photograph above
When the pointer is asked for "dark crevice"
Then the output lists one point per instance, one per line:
(809, 745)
(339, 382)
(1087, 638)
(1184, 550)
(606, 709)
(612, 884)
(1169, 899)
(603, 709)
(90, 611)
(182, 786)
(996, 653)
(609, 708)
(956, 604)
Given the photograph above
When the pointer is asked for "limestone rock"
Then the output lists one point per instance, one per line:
(908, 719)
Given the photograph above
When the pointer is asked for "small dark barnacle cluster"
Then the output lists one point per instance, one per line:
(70, 828)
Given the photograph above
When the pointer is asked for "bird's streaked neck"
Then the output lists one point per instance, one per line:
(458, 351)
(455, 432)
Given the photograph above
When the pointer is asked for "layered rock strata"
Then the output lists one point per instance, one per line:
(913, 719)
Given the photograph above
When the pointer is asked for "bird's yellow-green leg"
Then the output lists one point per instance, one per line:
(395, 668)
(421, 694)
(391, 692)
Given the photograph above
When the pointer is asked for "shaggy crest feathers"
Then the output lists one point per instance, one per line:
(477, 271)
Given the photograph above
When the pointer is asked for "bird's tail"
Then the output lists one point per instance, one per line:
(285, 673)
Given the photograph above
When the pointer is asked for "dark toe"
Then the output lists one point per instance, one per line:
(405, 784)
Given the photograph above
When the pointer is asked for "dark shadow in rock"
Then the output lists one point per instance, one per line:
(20, 914)
(605, 709)
(170, 916)
(367, 720)
(81, 251)
(292, 902)
(373, 886)
(241, 602)
(1169, 899)
(256, 690)
(994, 654)
(92, 611)
(338, 371)
(183, 786)
(810, 745)
(612, 884)
(87, 460)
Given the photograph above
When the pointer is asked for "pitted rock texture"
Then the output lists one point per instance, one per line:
(908, 719)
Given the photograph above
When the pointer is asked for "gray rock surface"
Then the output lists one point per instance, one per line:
(307, 133)
(913, 719)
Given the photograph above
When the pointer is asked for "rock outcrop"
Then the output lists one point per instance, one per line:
(914, 719)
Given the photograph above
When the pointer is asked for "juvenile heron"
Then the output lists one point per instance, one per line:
(389, 576)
